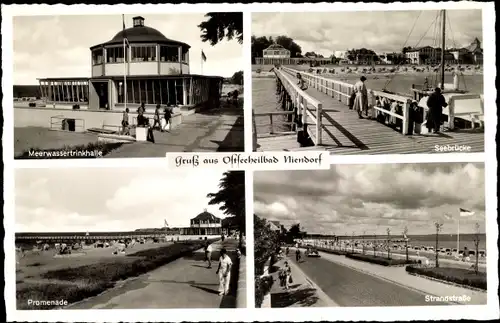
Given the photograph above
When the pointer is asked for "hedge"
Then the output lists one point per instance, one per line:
(380, 261)
(459, 276)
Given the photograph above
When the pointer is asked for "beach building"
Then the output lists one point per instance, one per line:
(472, 54)
(275, 54)
(204, 223)
(275, 226)
(423, 55)
(138, 65)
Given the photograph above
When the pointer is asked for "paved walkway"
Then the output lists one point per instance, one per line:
(398, 275)
(345, 134)
(184, 283)
(304, 292)
(210, 131)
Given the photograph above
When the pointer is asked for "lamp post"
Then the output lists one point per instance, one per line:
(405, 232)
(438, 226)
(388, 243)
(352, 242)
(363, 241)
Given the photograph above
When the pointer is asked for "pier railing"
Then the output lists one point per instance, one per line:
(342, 91)
(309, 110)
(272, 124)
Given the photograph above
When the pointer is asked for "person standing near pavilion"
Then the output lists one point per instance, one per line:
(436, 102)
(361, 99)
(157, 117)
(224, 272)
(208, 253)
(125, 124)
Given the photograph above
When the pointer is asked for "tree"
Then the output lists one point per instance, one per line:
(438, 226)
(289, 44)
(266, 242)
(294, 232)
(406, 49)
(222, 25)
(231, 197)
(237, 78)
(477, 238)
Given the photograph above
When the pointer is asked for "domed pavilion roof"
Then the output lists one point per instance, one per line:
(206, 216)
(140, 33)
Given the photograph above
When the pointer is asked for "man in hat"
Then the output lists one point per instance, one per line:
(436, 102)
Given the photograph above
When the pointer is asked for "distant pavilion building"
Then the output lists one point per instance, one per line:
(204, 223)
(156, 69)
(278, 55)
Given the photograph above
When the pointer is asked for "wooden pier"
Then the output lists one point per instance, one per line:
(325, 122)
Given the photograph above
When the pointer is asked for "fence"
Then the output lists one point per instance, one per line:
(342, 91)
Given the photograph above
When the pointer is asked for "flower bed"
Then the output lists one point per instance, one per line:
(380, 261)
(458, 276)
(77, 283)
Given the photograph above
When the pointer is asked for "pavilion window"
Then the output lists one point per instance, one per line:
(169, 54)
(143, 53)
(114, 55)
(179, 92)
(185, 56)
(97, 56)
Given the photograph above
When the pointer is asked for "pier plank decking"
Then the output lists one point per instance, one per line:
(343, 133)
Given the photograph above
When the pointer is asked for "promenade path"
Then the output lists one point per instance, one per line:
(206, 131)
(347, 286)
(399, 276)
(184, 283)
(303, 292)
(210, 131)
(345, 134)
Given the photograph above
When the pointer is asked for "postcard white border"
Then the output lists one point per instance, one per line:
(489, 311)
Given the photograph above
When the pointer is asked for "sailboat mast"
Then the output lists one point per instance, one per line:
(443, 35)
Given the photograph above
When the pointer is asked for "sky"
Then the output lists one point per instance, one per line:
(110, 199)
(382, 31)
(58, 46)
(373, 197)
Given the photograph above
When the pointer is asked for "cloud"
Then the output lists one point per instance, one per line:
(369, 197)
(58, 46)
(383, 31)
(111, 199)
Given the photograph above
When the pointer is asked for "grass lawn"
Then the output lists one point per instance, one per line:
(37, 139)
(380, 260)
(42, 277)
(459, 276)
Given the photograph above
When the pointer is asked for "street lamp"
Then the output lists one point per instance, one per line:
(438, 226)
(363, 241)
(388, 243)
(352, 242)
(405, 232)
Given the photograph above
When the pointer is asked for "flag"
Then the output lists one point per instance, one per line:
(165, 222)
(203, 57)
(447, 217)
(464, 212)
(123, 20)
(404, 236)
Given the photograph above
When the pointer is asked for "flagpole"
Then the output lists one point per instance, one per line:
(202, 62)
(124, 67)
(458, 235)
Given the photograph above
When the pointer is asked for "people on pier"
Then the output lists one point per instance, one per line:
(302, 85)
(361, 100)
(436, 102)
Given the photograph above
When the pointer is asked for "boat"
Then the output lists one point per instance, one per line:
(467, 108)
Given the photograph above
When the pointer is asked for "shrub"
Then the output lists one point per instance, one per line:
(334, 252)
(459, 276)
(380, 261)
(263, 286)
